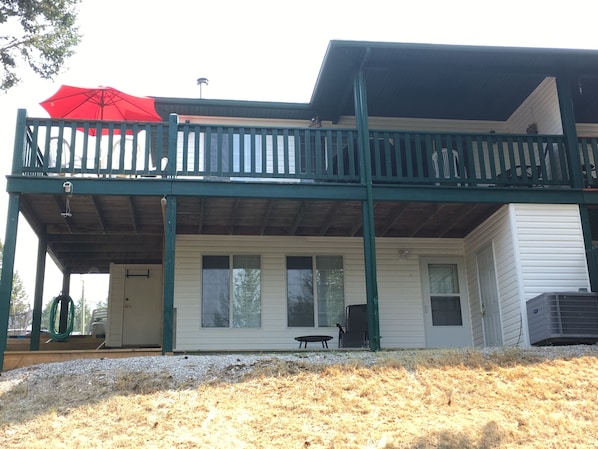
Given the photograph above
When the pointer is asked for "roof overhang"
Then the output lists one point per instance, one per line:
(449, 81)
(232, 108)
(422, 81)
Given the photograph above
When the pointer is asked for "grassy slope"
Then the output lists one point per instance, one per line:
(419, 399)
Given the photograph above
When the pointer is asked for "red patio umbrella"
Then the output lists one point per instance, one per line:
(100, 103)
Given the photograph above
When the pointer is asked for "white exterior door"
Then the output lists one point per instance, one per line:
(446, 306)
(142, 307)
(490, 305)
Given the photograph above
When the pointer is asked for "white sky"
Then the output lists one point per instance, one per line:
(258, 50)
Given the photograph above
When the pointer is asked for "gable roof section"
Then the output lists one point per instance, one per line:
(422, 80)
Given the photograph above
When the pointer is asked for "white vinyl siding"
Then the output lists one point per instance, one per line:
(551, 248)
(274, 332)
(399, 288)
(541, 107)
(537, 249)
(496, 231)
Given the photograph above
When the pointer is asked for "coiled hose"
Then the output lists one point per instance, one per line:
(55, 333)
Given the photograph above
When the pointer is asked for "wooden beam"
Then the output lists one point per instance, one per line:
(19, 359)
(121, 239)
(392, 218)
(131, 245)
(233, 215)
(266, 216)
(334, 210)
(464, 212)
(431, 217)
(31, 215)
(355, 229)
(201, 206)
(99, 214)
(298, 218)
(132, 211)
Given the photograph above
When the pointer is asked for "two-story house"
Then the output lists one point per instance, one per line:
(412, 182)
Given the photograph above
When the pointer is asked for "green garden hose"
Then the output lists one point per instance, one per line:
(56, 335)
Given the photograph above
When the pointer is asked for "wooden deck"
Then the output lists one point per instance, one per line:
(18, 355)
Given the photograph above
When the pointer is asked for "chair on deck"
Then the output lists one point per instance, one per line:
(555, 164)
(355, 332)
(446, 166)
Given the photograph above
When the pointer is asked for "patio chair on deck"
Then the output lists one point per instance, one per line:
(355, 332)
(555, 171)
(446, 165)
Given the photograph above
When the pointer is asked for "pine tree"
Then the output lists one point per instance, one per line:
(20, 309)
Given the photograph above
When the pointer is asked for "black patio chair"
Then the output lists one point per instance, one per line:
(355, 332)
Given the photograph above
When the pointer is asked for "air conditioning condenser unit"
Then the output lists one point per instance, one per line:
(563, 318)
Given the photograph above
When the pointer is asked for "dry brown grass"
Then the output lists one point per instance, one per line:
(425, 399)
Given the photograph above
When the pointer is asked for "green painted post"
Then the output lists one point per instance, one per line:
(586, 228)
(169, 255)
(173, 129)
(42, 248)
(8, 265)
(367, 211)
(64, 303)
(19, 148)
(563, 86)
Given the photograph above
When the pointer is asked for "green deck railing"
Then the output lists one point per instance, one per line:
(238, 153)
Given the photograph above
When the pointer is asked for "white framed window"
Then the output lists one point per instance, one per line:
(315, 291)
(231, 291)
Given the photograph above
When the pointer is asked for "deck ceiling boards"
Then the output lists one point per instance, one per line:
(123, 229)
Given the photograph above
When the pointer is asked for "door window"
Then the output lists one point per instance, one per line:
(445, 298)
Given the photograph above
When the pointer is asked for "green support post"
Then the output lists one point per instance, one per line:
(564, 90)
(367, 211)
(19, 148)
(42, 248)
(8, 265)
(563, 86)
(64, 303)
(586, 229)
(168, 269)
(173, 129)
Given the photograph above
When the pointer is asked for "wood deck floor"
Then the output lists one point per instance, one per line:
(18, 355)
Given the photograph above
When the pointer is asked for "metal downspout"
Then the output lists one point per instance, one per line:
(367, 209)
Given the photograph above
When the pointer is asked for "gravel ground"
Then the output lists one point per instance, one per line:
(188, 370)
(192, 370)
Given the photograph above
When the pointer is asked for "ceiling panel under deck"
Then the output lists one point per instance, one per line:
(129, 229)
